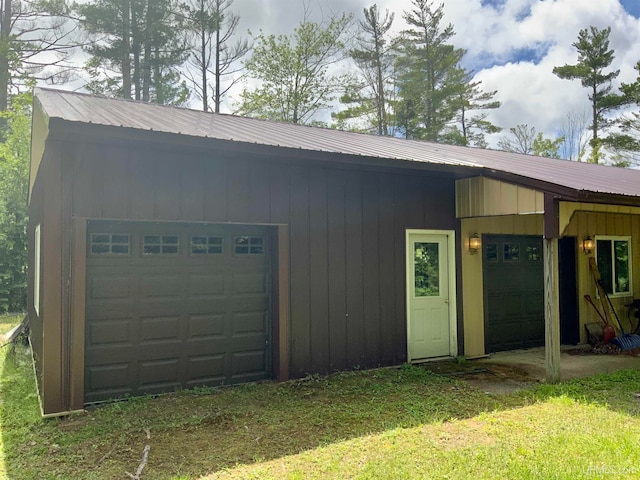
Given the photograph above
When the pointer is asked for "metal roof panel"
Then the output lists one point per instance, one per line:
(79, 107)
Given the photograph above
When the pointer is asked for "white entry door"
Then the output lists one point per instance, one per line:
(429, 329)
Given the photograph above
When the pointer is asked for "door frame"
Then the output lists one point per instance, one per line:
(451, 259)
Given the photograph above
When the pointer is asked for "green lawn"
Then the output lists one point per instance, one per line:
(388, 423)
(7, 322)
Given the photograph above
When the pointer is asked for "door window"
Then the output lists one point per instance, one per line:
(426, 269)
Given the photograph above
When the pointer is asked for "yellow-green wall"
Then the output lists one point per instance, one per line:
(579, 224)
(593, 224)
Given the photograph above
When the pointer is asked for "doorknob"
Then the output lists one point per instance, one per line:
(446, 300)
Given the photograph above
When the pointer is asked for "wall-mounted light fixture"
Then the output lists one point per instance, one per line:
(474, 243)
(588, 245)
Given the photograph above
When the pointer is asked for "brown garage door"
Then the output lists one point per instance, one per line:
(175, 305)
(513, 292)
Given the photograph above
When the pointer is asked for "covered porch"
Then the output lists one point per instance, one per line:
(525, 268)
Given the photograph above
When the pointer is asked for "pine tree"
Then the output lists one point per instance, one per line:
(36, 42)
(626, 142)
(137, 49)
(594, 60)
(470, 123)
(213, 55)
(369, 95)
(429, 73)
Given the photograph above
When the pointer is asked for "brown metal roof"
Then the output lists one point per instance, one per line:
(581, 177)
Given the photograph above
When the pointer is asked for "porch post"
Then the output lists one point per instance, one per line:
(551, 291)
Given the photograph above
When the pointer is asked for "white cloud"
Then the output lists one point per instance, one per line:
(493, 37)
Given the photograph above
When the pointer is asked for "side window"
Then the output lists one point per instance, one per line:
(36, 270)
(613, 255)
(109, 244)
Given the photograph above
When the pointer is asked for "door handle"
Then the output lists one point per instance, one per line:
(446, 300)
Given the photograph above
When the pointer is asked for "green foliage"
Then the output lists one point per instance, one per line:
(625, 143)
(137, 49)
(14, 172)
(594, 60)
(433, 89)
(292, 71)
(470, 122)
(370, 92)
(545, 147)
(427, 278)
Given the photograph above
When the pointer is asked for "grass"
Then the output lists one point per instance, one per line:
(7, 322)
(388, 423)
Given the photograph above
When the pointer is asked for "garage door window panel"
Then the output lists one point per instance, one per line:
(511, 252)
(109, 244)
(533, 253)
(492, 252)
(161, 245)
(247, 245)
(206, 245)
(613, 255)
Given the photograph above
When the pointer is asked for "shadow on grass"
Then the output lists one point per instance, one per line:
(199, 432)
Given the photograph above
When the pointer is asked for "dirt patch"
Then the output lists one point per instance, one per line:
(501, 379)
(490, 378)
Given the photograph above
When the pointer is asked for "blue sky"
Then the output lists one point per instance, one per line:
(632, 7)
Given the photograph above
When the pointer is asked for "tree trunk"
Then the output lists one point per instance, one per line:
(126, 49)
(146, 71)
(135, 35)
(157, 79)
(217, 66)
(382, 121)
(203, 53)
(5, 26)
(595, 113)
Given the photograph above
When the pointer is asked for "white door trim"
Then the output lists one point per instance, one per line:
(451, 248)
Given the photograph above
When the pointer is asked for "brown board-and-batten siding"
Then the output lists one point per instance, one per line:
(346, 231)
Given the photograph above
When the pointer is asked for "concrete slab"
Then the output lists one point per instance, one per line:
(511, 371)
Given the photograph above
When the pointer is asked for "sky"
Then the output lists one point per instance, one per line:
(512, 45)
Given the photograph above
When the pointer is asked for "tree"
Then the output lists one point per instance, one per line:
(470, 121)
(524, 139)
(211, 29)
(625, 143)
(370, 93)
(520, 140)
(136, 49)
(574, 132)
(429, 73)
(594, 58)
(36, 42)
(545, 147)
(292, 72)
(14, 172)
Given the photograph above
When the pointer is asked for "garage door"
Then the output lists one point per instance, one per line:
(175, 305)
(513, 292)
